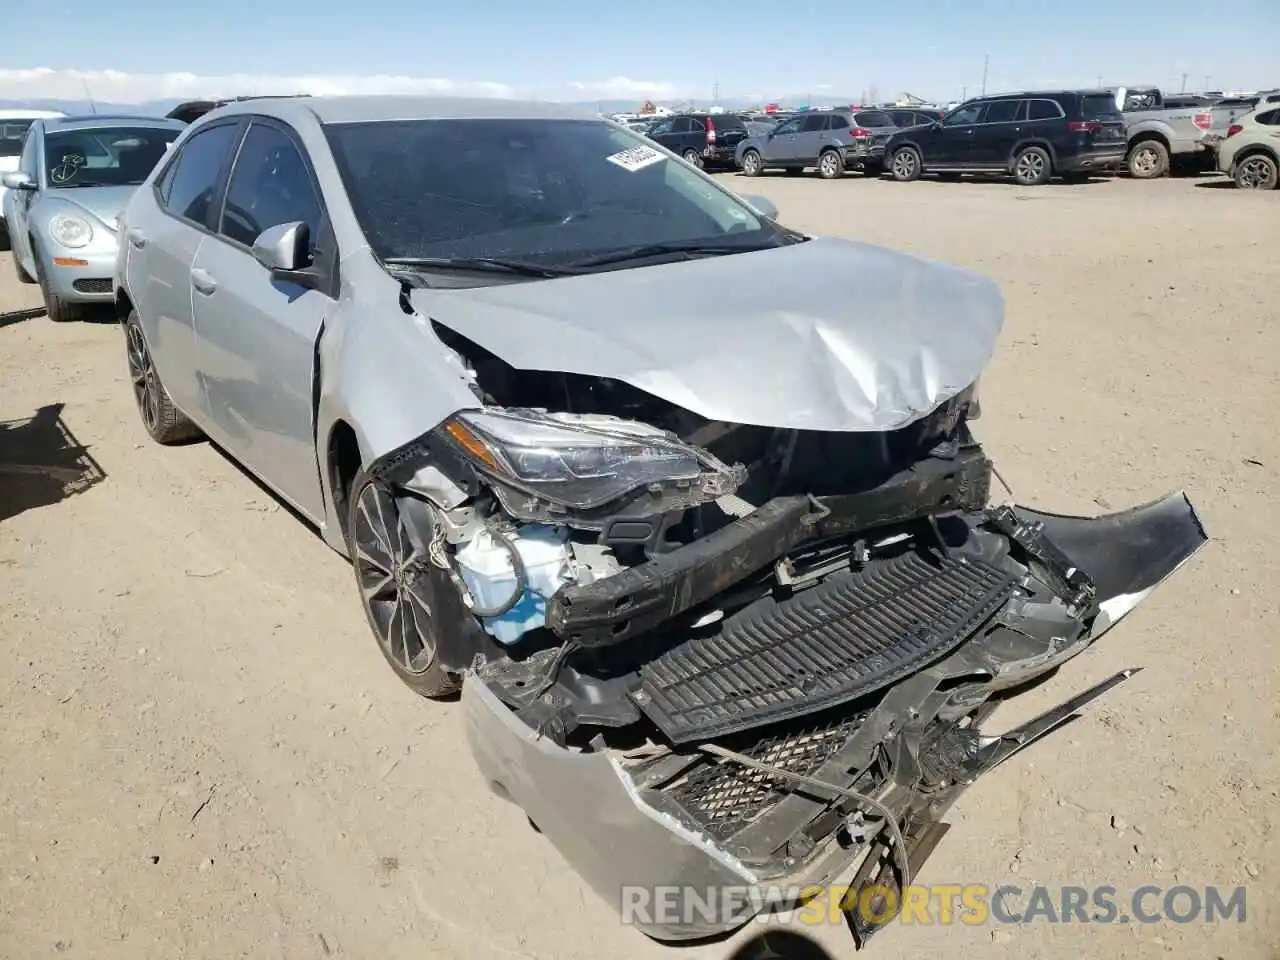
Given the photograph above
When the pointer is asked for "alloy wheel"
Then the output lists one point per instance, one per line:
(1030, 167)
(829, 165)
(389, 570)
(1254, 174)
(751, 164)
(904, 164)
(146, 388)
(694, 158)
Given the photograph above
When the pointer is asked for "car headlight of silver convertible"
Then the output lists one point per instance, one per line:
(69, 231)
(581, 461)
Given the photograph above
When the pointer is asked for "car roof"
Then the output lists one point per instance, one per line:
(370, 109)
(101, 120)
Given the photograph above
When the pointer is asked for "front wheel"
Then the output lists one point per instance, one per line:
(831, 165)
(752, 164)
(57, 309)
(393, 573)
(1257, 172)
(906, 165)
(1032, 167)
(693, 158)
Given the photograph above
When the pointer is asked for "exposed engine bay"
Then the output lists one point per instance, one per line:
(781, 642)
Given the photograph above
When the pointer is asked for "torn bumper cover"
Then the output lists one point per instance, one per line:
(902, 727)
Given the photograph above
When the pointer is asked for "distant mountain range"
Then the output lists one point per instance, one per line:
(158, 108)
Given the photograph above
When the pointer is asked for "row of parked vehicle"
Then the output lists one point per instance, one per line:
(1032, 136)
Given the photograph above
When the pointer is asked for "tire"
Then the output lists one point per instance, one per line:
(752, 165)
(693, 158)
(793, 171)
(164, 422)
(23, 276)
(1147, 160)
(395, 594)
(905, 165)
(57, 309)
(830, 165)
(1032, 167)
(1257, 171)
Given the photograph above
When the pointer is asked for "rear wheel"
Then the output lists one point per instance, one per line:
(830, 165)
(1148, 159)
(1032, 167)
(752, 165)
(905, 165)
(693, 158)
(1257, 172)
(391, 568)
(164, 422)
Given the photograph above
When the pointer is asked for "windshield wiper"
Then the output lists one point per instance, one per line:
(700, 248)
(488, 264)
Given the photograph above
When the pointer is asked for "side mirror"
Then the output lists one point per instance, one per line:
(282, 249)
(19, 181)
(761, 205)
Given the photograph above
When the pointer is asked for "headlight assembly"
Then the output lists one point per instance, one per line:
(581, 462)
(69, 231)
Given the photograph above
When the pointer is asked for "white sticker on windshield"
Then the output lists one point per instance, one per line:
(637, 158)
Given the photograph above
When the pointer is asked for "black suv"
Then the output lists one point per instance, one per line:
(703, 139)
(1033, 136)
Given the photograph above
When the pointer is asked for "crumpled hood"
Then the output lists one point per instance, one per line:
(104, 204)
(822, 335)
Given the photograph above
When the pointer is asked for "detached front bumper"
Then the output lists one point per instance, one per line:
(642, 828)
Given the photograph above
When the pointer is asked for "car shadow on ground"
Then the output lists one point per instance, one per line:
(780, 945)
(1224, 184)
(42, 462)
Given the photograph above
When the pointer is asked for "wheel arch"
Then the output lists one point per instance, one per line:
(343, 461)
(1040, 142)
(1254, 149)
(1142, 136)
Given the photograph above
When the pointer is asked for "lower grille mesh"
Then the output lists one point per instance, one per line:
(831, 644)
(724, 796)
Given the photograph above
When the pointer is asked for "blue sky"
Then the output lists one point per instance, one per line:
(138, 49)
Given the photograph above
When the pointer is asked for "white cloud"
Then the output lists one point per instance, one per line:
(624, 88)
(113, 86)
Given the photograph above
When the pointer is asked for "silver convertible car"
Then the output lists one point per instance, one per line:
(74, 176)
(717, 572)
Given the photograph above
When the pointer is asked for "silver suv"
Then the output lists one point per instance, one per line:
(832, 141)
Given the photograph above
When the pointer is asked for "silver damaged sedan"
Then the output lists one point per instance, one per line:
(74, 176)
(685, 502)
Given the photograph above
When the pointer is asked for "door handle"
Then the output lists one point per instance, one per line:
(137, 238)
(203, 282)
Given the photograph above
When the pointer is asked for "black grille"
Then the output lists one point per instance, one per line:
(831, 644)
(93, 285)
(724, 796)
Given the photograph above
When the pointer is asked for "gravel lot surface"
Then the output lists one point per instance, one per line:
(203, 755)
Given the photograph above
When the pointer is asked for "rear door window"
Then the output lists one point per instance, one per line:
(1044, 110)
(1001, 111)
(191, 183)
(815, 124)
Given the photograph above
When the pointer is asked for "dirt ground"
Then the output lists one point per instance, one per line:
(203, 755)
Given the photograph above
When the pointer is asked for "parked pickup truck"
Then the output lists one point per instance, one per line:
(1160, 131)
